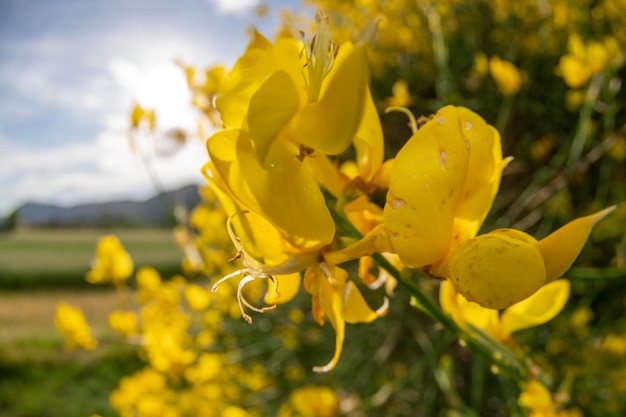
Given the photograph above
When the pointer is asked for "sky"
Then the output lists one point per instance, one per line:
(70, 71)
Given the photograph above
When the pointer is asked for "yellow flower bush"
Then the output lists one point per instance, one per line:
(71, 322)
(506, 75)
(112, 263)
(312, 197)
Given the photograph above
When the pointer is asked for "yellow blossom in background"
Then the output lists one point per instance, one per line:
(311, 401)
(112, 263)
(400, 95)
(139, 115)
(585, 59)
(574, 99)
(124, 322)
(197, 297)
(145, 389)
(506, 75)
(541, 403)
(618, 149)
(70, 321)
(574, 71)
(148, 283)
(537, 398)
(481, 63)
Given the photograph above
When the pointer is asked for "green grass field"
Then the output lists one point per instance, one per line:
(60, 257)
(38, 269)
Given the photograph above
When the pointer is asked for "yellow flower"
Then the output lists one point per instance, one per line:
(400, 95)
(574, 71)
(507, 77)
(442, 185)
(537, 398)
(197, 297)
(124, 322)
(340, 301)
(281, 106)
(585, 59)
(481, 64)
(541, 403)
(70, 321)
(314, 401)
(148, 283)
(112, 263)
(278, 237)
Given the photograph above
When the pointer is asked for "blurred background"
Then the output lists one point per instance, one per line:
(548, 74)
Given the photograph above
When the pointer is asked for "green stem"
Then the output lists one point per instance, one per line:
(442, 82)
(584, 122)
(504, 113)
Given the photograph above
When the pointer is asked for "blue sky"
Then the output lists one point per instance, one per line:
(70, 70)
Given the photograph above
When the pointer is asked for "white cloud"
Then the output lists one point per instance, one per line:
(234, 6)
(101, 170)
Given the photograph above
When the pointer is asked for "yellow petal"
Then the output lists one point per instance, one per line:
(368, 143)
(356, 309)
(245, 77)
(561, 248)
(377, 240)
(463, 311)
(537, 309)
(331, 298)
(496, 270)
(271, 108)
(302, 219)
(326, 173)
(330, 124)
(258, 236)
(282, 288)
(426, 182)
(484, 171)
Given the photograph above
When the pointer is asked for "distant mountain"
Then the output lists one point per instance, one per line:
(156, 211)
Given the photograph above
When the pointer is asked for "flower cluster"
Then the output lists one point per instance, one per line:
(306, 193)
(272, 168)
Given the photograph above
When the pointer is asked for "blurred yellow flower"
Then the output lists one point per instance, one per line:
(574, 71)
(481, 63)
(617, 151)
(537, 398)
(70, 321)
(585, 59)
(124, 322)
(197, 297)
(311, 401)
(541, 403)
(506, 75)
(112, 262)
(400, 96)
(148, 283)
